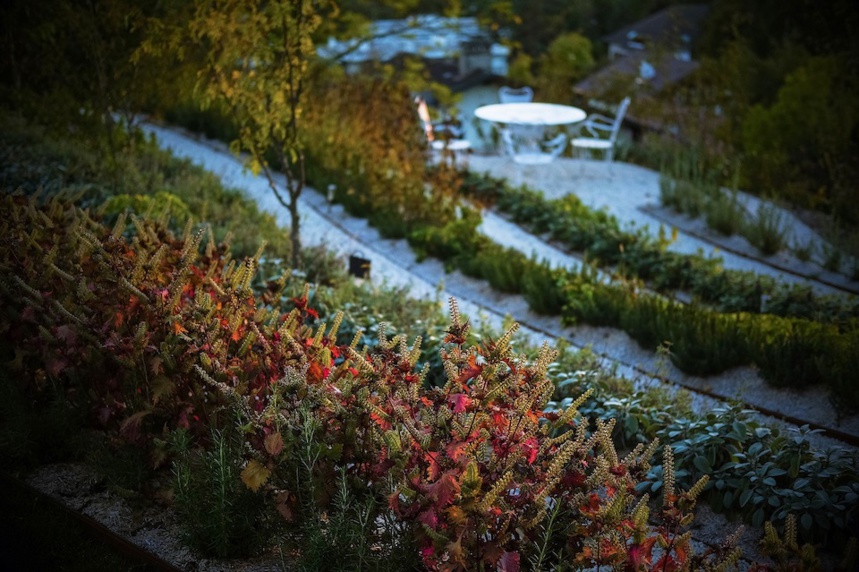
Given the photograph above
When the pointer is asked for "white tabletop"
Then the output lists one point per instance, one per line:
(530, 113)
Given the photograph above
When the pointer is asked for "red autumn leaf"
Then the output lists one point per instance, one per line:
(381, 422)
(460, 402)
(456, 450)
(573, 479)
(608, 550)
(118, 318)
(640, 555)
(530, 448)
(315, 373)
(178, 328)
(667, 564)
(433, 469)
(67, 334)
(427, 553)
(444, 490)
(429, 518)
(299, 302)
(501, 421)
(471, 371)
(509, 562)
(237, 335)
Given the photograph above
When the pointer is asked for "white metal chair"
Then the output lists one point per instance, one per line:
(444, 139)
(515, 95)
(602, 131)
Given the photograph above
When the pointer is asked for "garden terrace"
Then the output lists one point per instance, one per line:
(567, 366)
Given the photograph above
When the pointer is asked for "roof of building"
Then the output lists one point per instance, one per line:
(429, 36)
(680, 22)
(639, 68)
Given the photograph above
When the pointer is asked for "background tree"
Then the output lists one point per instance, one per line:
(67, 64)
(567, 60)
(256, 58)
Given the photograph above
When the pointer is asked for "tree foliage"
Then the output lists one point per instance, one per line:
(255, 58)
(69, 63)
(567, 60)
(808, 134)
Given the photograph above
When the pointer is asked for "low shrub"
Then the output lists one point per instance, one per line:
(725, 214)
(766, 230)
(361, 135)
(542, 288)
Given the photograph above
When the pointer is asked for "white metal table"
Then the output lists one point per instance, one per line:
(529, 121)
(530, 113)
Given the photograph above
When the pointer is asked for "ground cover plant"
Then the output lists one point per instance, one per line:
(174, 340)
(758, 473)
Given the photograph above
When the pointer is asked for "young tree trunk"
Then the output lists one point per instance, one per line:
(294, 229)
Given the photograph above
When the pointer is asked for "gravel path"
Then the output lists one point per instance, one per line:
(394, 263)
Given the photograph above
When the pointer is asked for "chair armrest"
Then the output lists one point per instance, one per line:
(556, 145)
(599, 118)
(594, 125)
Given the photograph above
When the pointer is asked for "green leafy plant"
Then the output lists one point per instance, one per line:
(219, 515)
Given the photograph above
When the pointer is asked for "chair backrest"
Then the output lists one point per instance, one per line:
(515, 95)
(618, 118)
(423, 113)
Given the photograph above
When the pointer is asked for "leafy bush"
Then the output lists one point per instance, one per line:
(361, 135)
(797, 145)
(137, 178)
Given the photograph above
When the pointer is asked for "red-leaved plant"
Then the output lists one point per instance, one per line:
(157, 335)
